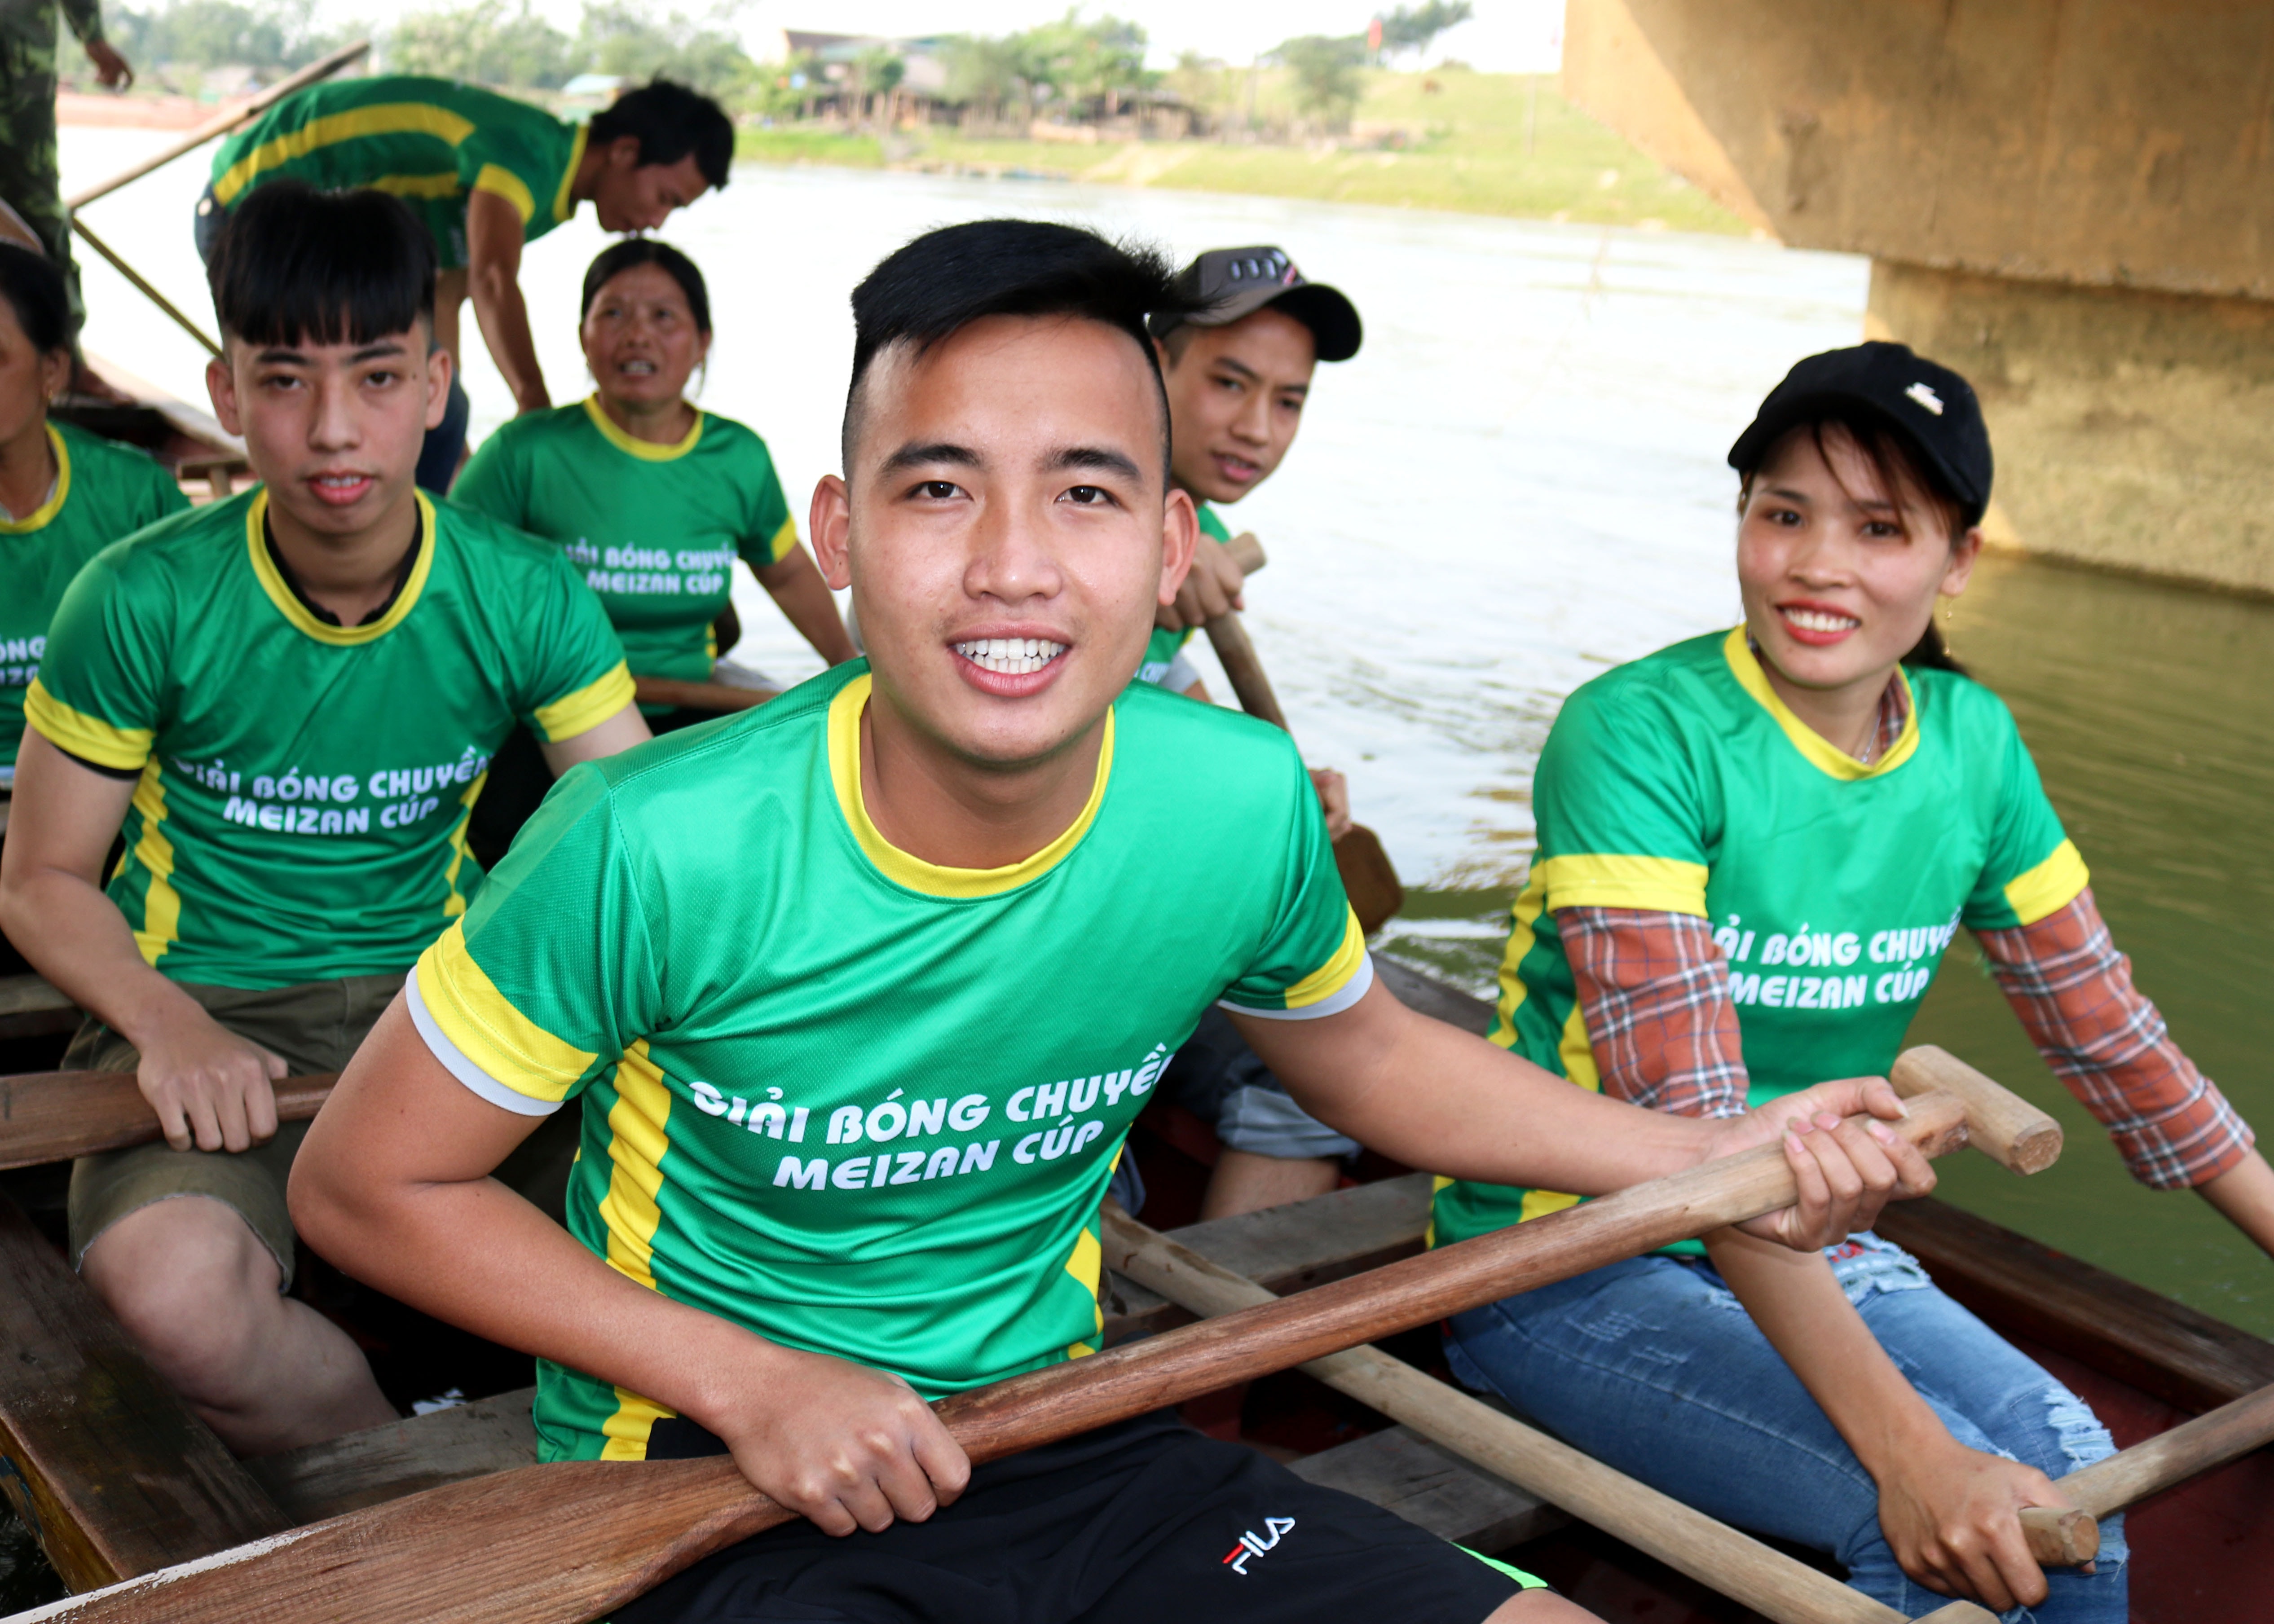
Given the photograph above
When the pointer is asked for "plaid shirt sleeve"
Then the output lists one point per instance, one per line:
(1655, 991)
(2073, 993)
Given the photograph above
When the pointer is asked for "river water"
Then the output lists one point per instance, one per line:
(1515, 485)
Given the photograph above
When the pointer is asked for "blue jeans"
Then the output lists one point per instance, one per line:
(1653, 1366)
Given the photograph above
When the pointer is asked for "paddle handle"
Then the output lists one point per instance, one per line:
(323, 68)
(1245, 671)
(699, 695)
(2107, 1486)
(56, 1116)
(2001, 1124)
(1247, 551)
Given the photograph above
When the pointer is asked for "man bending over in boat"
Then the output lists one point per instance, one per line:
(856, 996)
(486, 174)
(1238, 368)
(289, 699)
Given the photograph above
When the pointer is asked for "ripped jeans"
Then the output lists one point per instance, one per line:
(1653, 1366)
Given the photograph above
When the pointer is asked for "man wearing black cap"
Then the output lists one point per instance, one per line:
(1237, 374)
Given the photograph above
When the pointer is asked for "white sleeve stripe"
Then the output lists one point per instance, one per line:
(454, 1062)
(1333, 1004)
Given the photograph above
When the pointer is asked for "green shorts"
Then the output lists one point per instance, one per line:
(314, 1027)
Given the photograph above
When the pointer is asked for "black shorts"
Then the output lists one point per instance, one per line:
(1133, 1523)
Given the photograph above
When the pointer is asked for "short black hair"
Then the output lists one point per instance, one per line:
(33, 287)
(669, 121)
(298, 265)
(619, 257)
(932, 288)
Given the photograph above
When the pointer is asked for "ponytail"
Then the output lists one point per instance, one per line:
(1931, 653)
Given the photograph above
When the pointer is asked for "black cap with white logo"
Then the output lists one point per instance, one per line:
(1932, 407)
(1233, 283)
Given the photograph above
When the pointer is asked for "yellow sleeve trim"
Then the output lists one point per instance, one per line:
(1657, 884)
(89, 738)
(2048, 887)
(587, 707)
(1331, 977)
(511, 1049)
(499, 181)
(784, 541)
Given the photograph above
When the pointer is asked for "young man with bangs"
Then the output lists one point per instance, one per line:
(288, 699)
(856, 996)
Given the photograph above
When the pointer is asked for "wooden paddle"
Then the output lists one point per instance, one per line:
(1756, 1576)
(1372, 884)
(55, 1116)
(544, 1544)
(2070, 1539)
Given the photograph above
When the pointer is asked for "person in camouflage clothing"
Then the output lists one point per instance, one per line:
(28, 179)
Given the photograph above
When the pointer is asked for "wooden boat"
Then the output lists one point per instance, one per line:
(115, 1477)
(205, 457)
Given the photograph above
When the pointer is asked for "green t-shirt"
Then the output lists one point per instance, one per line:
(1681, 783)
(103, 492)
(1161, 650)
(301, 811)
(429, 141)
(655, 530)
(856, 1102)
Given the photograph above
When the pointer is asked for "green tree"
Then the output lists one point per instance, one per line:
(486, 44)
(984, 72)
(1413, 28)
(1084, 63)
(1208, 86)
(260, 33)
(630, 40)
(1326, 74)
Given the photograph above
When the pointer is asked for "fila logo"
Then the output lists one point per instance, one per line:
(1251, 1545)
(1926, 397)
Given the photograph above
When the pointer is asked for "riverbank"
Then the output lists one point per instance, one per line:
(1503, 143)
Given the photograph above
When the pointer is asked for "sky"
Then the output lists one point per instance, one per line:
(1506, 36)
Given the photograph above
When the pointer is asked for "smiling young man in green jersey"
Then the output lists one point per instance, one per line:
(856, 996)
(486, 174)
(288, 699)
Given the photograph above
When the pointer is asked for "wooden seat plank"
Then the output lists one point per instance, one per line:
(29, 1007)
(98, 1456)
(1288, 1248)
(1431, 1488)
(424, 1452)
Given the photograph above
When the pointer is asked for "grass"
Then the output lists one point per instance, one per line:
(1462, 146)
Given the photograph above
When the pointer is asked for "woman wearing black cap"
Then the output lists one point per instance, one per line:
(1753, 848)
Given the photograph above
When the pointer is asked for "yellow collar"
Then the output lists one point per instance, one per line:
(1821, 753)
(40, 516)
(646, 450)
(563, 205)
(279, 590)
(912, 872)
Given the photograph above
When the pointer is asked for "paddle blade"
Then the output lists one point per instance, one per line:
(1372, 884)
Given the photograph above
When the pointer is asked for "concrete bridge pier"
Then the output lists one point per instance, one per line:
(2072, 203)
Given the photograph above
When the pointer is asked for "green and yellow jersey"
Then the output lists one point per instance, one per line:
(1682, 784)
(432, 142)
(1162, 651)
(854, 1101)
(654, 529)
(104, 491)
(303, 787)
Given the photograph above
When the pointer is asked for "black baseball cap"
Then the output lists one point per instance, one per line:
(1233, 283)
(1931, 407)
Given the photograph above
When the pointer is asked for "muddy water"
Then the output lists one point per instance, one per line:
(1517, 484)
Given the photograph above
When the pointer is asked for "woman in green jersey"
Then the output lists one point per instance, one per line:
(66, 495)
(652, 498)
(1754, 847)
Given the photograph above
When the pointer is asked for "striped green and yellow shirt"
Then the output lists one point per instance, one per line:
(432, 142)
